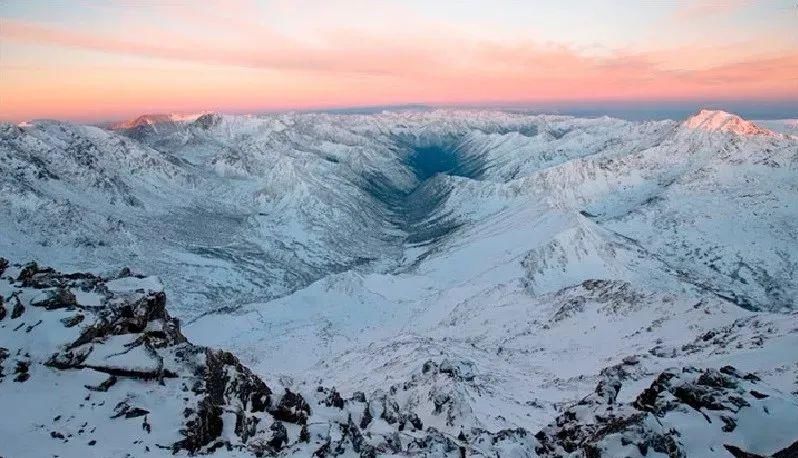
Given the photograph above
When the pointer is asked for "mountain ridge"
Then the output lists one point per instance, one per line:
(111, 346)
(525, 257)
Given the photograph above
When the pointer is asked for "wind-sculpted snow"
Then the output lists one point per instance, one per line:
(469, 272)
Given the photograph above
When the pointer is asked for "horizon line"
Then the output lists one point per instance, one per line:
(659, 109)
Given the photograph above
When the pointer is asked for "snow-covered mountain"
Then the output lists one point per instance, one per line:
(466, 277)
(153, 120)
(720, 121)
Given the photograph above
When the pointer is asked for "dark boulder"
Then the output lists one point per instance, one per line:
(18, 309)
(292, 408)
(56, 299)
(334, 399)
(279, 436)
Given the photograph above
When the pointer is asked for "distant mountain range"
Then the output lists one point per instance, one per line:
(411, 282)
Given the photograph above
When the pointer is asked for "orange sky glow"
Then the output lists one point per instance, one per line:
(109, 60)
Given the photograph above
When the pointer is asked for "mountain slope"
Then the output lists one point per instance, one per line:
(130, 383)
(470, 271)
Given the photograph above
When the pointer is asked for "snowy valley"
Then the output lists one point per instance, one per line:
(434, 283)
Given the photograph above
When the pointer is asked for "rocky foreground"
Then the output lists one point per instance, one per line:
(96, 366)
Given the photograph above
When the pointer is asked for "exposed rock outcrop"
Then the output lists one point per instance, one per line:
(656, 419)
(111, 344)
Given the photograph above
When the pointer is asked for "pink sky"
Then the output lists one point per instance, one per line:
(108, 60)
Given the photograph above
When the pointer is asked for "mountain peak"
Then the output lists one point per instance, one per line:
(722, 121)
(152, 119)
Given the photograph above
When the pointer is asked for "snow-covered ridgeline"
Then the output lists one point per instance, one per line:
(130, 383)
(475, 271)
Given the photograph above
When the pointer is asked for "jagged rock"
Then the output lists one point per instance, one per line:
(697, 397)
(790, 451)
(279, 436)
(3, 265)
(460, 371)
(22, 370)
(646, 401)
(357, 440)
(292, 408)
(27, 271)
(104, 386)
(128, 411)
(435, 443)
(365, 420)
(67, 359)
(728, 423)
(607, 389)
(737, 452)
(3, 356)
(440, 400)
(322, 451)
(226, 382)
(134, 318)
(304, 434)
(204, 426)
(334, 399)
(55, 299)
(446, 367)
(131, 335)
(227, 378)
(141, 319)
(246, 426)
(717, 379)
(587, 425)
(390, 410)
(124, 272)
(34, 276)
(411, 419)
(18, 309)
(392, 443)
(73, 320)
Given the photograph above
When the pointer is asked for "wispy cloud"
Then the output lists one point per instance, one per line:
(701, 9)
(279, 53)
(245, 55)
